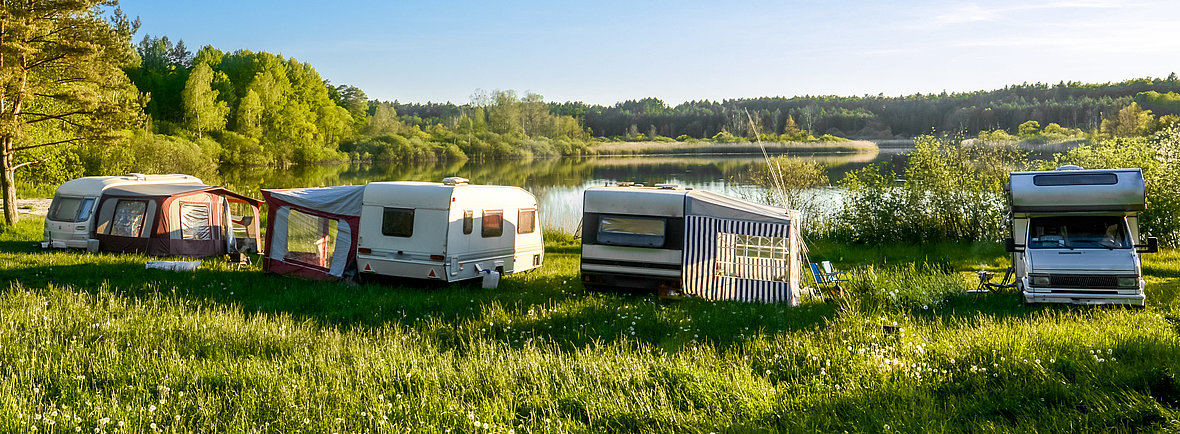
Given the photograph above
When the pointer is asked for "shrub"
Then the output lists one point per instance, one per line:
(949, 192)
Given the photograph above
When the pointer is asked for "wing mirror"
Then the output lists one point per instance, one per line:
(1152, 246)
(1011, 247)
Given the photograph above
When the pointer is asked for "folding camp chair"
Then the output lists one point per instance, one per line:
(986, 285)
(828, 279)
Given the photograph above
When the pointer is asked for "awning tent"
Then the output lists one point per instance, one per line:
(312, 232)
(738, 250)
(171, 220)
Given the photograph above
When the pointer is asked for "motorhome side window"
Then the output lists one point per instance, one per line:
(493, 223)
(71, 209)
(398, 222)
(468, 221)
(631, 231)
(526, 221)
(1079, 232)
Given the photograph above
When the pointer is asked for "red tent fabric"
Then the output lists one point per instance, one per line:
(312, 232)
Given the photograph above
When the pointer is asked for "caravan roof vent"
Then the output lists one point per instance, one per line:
(137, 176)
(624, 184)
(455, 180)
(668, 186)
(1069, 167)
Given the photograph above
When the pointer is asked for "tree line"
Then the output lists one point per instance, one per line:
(1070, 105)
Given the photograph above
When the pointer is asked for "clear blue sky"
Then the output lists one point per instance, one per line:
(608, 51)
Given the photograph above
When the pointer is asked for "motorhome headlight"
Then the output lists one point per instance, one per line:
(1128, 281)
(1039, 279)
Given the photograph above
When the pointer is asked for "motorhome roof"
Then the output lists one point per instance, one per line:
(1114, 190)
(93, 185)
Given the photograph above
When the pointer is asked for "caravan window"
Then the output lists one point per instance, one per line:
(468, 221)
(1082, 232)
(398, 222)
(753, 257)
(71, 209)
(311, 239)
(194, 222)
(493, 223)
(129, 217)
(526, 221)
(632, 231)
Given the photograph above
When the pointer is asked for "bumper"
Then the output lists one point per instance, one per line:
(1083, 296)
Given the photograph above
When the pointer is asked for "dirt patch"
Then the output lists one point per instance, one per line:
(33, 206)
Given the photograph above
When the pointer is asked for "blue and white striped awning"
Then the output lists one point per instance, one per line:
(710, 272)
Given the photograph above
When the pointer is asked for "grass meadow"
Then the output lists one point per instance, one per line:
(96, 343)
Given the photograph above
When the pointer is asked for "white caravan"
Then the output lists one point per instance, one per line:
(450, 231)
(677, 241)
(70, 221)
(1076, 235)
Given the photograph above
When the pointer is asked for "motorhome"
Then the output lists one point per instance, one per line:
(70, 221)
(684, 242)
(1076, 235)
(447, 231)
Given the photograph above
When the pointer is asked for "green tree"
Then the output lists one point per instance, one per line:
(202, 110)
(1029, 130)
(61, 81)
(1130, 121)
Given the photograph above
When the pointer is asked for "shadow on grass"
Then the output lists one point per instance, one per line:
(535, 307)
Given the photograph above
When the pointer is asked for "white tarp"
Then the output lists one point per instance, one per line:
(342, 200)
(709, 204)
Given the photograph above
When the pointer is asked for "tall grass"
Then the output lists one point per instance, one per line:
(95, 342)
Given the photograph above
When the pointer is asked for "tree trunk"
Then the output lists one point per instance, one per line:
(8, 183)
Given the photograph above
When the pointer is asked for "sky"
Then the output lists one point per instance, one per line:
(608, 51)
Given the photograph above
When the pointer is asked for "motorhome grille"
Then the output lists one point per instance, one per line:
(1083, 281)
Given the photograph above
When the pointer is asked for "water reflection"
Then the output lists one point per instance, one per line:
(557, 182)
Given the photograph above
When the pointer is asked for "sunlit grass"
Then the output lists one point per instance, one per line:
(96, 342)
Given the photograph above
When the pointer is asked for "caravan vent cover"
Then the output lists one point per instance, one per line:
(668, 186)
(455, 180)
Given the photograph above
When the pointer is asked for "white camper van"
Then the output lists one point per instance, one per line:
(450, 231)
(1076, 235)
(677, 241)
(70, 220)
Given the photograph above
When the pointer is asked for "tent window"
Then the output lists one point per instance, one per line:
(194, 222)
(311, 239)
(398, 222)
(129, 217)
(526, 221)
(753, 257)
(71, 209)
(468, 221)
(632, 231)
(493, 223)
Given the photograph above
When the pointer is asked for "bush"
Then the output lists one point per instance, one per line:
(1159, 158)
(949, 192)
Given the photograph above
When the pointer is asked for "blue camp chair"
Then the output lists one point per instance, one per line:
(828, 278)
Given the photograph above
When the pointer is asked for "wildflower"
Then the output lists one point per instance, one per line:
(476, 423)
(470, 416)
(153, 425)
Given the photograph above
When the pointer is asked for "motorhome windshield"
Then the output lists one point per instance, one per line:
(1089, 232)
(70, 209)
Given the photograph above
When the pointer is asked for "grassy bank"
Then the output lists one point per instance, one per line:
(97, 342)
(707, 147)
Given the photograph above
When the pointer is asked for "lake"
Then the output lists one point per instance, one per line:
(556, 182)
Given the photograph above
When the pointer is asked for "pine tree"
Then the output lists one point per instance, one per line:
(60, 73)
